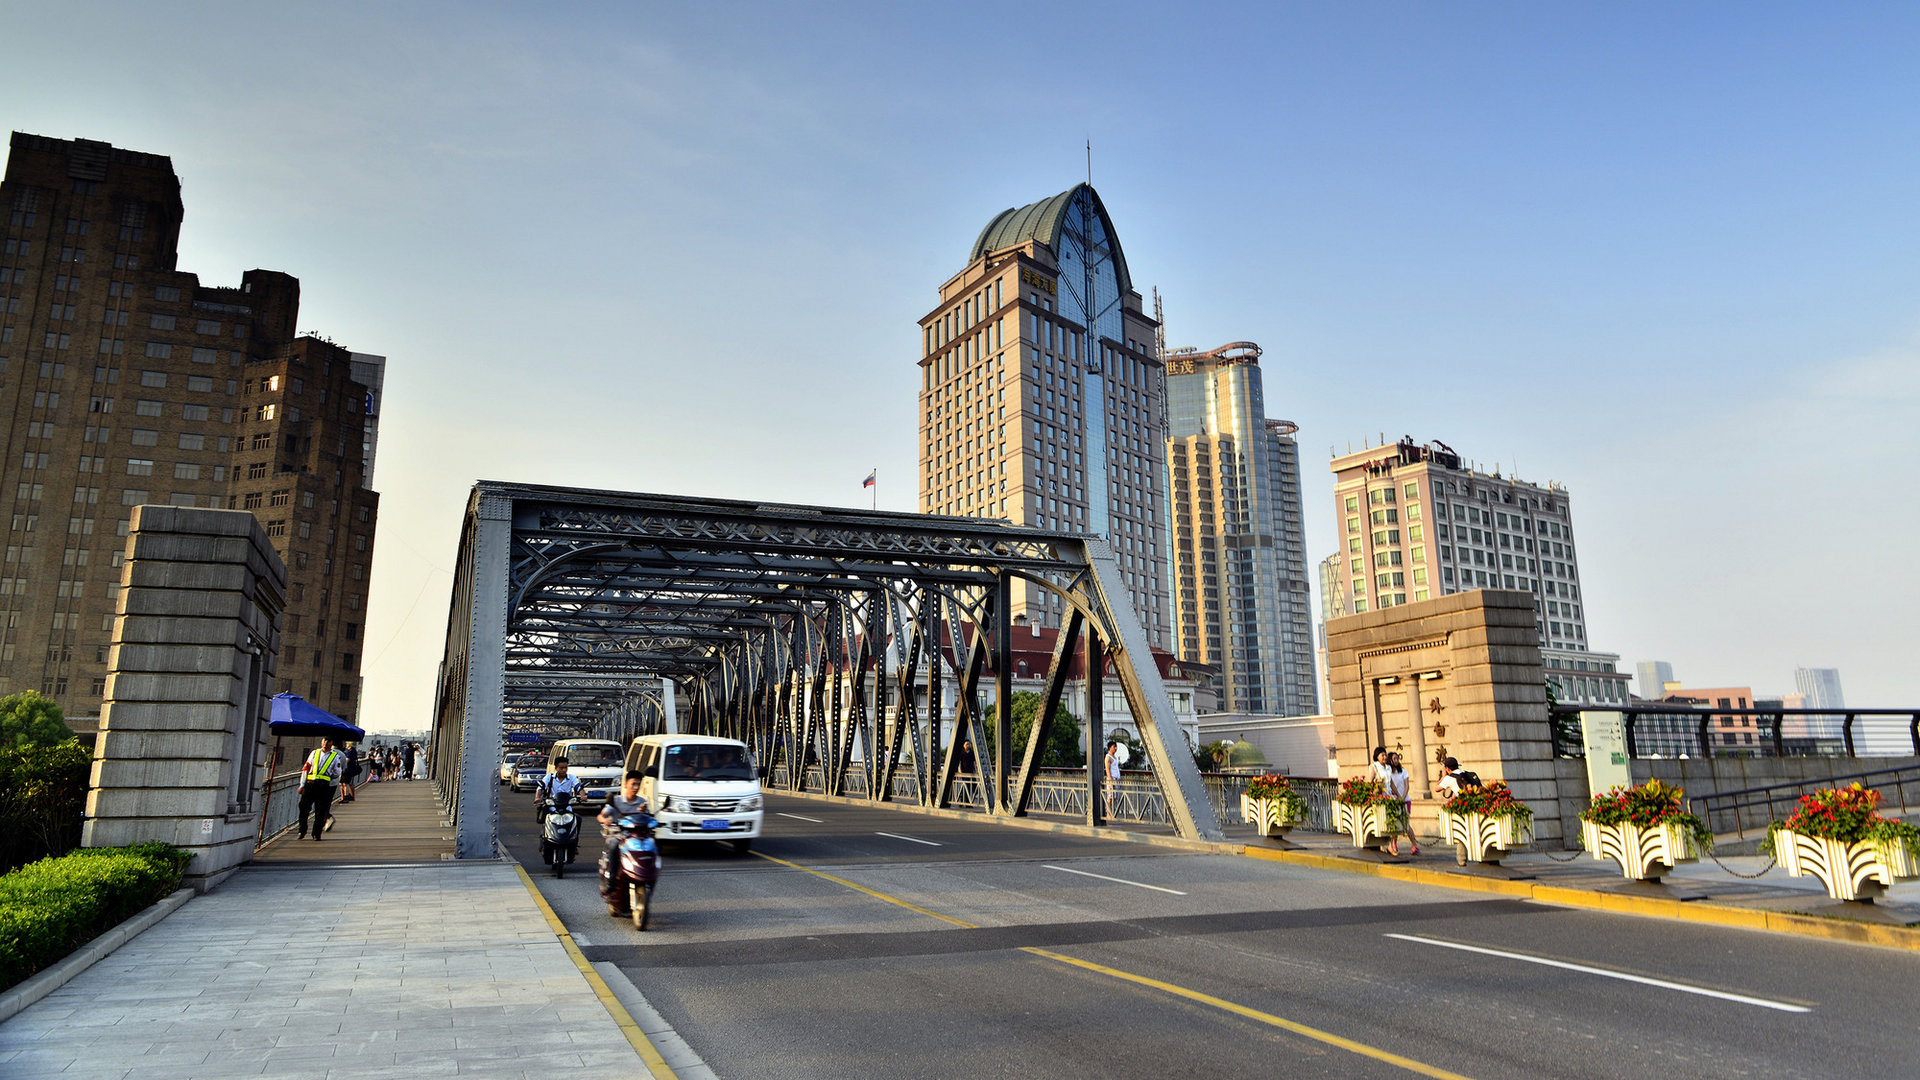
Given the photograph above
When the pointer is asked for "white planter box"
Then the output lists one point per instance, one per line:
(1368, 825)
(1643, 854)
(1482, 836)
(1859, 871)
(1266, 815)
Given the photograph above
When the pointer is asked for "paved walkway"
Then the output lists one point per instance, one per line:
(332, 972)
(393, 821)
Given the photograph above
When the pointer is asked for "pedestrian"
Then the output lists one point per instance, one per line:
(420, 764)
(1117, 755)
(1399, 783)
(317, 775)
(406, 771)
(1381, 770)
(1453, 778)
(351, 774)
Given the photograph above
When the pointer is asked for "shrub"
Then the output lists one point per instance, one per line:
(1847, 815)
(1652, 803)
(54, 906)
(31, 720)
(43, 795)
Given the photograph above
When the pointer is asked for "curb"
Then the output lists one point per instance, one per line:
(1779, 922)
(657, 1066)
(46, 982)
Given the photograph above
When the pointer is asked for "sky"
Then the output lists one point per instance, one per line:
(1666, 255)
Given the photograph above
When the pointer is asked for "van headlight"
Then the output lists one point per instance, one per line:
(752, 802)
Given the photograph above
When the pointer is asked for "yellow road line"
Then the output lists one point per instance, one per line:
(1281, 1022)
(656, 1065)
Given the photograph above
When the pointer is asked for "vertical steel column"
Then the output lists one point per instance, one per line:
(1096, 664)
(476, 803)
(1003, 686)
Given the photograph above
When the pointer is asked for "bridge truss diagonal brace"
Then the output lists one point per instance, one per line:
(1186, 794)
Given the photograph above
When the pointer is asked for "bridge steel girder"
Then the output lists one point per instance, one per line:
(804, 631)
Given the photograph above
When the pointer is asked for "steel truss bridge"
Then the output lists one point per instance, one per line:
(817, 635)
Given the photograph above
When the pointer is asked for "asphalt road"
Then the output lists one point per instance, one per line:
(1034, 954)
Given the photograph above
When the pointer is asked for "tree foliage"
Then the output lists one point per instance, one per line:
(31, 720)
(1063, 749)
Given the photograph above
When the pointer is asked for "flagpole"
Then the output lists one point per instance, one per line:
(876, 488)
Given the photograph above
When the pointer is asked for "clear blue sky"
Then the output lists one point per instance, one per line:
(1667, 255)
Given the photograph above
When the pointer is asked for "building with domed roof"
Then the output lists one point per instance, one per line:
(1042, 397)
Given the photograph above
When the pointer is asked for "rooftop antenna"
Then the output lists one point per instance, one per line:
(1089, 162)
(1160, 325)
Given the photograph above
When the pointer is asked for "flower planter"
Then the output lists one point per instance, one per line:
(1644, 853)
(1485, 839)
(1859, 871)
(1370, 826)
(1269, 816)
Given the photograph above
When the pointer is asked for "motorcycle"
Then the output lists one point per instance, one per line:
(629, 869)
(559, 832)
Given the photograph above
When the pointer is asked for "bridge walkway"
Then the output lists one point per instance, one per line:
(391, 822)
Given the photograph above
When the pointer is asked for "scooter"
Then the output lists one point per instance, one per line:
(629, 869)
(559, 832)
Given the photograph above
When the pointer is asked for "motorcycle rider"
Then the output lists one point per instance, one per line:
(627, 801)
(554, 783)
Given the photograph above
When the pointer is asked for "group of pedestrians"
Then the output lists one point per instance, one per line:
(1391, 771)
(335, 769)
(408, 761)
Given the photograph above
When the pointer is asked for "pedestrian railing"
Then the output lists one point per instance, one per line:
(1755, 808)
(1674, 730)
(282, 809)
(1137, 798)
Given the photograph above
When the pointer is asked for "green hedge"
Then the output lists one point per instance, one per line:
(54, 906)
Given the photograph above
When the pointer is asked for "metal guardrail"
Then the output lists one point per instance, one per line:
(282, 809)
(1707, 731)
(1758, 807)
(1137, 799)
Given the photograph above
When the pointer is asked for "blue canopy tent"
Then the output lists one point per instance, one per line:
(295, 715)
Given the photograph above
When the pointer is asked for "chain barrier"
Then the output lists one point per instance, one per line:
(1771, 863)
(1570, 857)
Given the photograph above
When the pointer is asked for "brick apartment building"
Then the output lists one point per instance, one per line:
(123, 381)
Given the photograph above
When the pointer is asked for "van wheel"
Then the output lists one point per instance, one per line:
(741, 847)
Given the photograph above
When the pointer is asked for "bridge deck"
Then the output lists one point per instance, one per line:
(394, 821)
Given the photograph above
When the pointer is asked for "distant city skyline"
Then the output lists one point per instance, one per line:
(1664, 256)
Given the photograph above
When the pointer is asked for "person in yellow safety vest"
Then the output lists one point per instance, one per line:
(317, 777)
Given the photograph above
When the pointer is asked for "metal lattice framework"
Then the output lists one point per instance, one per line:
(813, 634)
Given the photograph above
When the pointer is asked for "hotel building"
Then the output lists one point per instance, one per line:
(1042, 399)
(124, 380)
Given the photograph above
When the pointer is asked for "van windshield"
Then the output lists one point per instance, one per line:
(697, 761)
(593, 755)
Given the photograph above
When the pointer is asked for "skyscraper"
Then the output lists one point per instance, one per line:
(1415, 523)
(1654, 677)
(1820, 686)
(1042, 398)
(1241, 596)
(125, 381)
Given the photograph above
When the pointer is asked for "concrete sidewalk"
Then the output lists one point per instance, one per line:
(332, 972)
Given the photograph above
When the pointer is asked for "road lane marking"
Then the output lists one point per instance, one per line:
(1119, 881)
(1222, 1004)
(797, 817)
(1624, 976)
(1280, 1022)
(876, 894)
(915, 839)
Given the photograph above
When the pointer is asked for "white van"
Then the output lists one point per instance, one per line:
(596, 762)
(699, 788)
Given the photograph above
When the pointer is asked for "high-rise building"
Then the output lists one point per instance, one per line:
(1042, 397)
(1654, 677)
(1416, 522)
(126, 381)
(1241, 595)
(1820, 686)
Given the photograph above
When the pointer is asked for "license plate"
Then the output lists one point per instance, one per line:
(716, 823)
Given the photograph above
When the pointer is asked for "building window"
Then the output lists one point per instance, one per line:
(153, 378)
(143, 437)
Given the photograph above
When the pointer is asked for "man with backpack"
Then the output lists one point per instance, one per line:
(1453, 778)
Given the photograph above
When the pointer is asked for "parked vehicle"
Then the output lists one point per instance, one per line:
(595, 762)
(559, 832)
(528, 770)
(629, 870)
(700, 788)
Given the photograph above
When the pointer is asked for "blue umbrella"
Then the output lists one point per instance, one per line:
(295, 715)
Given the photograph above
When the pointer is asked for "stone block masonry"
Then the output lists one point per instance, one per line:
(181, 756)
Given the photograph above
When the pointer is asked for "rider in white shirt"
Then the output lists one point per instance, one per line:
(554, 783)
